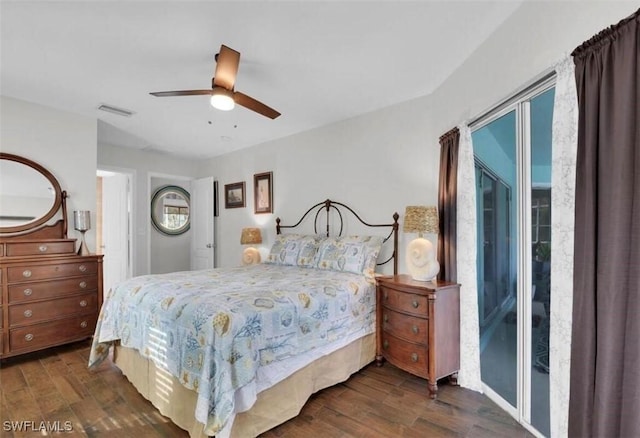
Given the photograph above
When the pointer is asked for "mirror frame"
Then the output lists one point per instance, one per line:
(57, 203)
(157, 195)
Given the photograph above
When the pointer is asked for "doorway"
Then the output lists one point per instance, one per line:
(114, 219)
(512, 150)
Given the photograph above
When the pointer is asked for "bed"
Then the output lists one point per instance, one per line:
(235, 352)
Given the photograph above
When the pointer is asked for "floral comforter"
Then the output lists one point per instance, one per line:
(212, 329)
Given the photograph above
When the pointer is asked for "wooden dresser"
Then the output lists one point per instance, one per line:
(419, 327)
(50, 296)
(48, 299)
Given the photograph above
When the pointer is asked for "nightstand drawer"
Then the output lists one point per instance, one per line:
(406, 355)
(405, 302)
(410, 328)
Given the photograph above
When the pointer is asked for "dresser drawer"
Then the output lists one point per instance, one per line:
(45, 272)
(22, 292)
(14, 249)
(405, 302)
(411, 328)
(52, 333)
(31, 313)
(406, 355)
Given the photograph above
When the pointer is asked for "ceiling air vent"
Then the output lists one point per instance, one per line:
(115, 110)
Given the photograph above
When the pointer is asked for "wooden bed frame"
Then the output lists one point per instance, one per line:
(281, 402)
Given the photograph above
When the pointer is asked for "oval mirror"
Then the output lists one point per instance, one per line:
(29, 194)
(170, 213)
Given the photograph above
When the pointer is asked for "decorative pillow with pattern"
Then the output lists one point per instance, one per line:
(294, 250)
(357, 254)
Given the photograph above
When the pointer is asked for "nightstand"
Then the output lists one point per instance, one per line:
(419, 327)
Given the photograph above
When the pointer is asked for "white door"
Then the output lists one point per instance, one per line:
(202, 224)
(115, 228)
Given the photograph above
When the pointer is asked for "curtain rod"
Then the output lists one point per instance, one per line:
(544, 77)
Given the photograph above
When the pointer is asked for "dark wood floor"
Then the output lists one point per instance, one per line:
(55, 386)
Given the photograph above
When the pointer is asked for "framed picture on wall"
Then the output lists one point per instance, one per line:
(263, 192)
(234, 195)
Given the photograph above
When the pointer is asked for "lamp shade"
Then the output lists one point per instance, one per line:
(420, 219)
(250, 236)
(82, 220)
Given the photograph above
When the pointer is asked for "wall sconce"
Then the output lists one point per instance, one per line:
(82, 223)
(250, 236)
(421, 256)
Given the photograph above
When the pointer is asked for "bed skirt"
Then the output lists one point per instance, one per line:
(273, 406)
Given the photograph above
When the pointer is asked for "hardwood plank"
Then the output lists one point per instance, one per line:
(11, 378)
(378, 402)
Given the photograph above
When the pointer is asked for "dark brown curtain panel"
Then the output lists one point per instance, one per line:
(447, 204)
(605, 349)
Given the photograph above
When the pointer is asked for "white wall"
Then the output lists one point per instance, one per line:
(63, 143)
(530, 42)
(169, 253)
(383, 161)
(378, 164)
(145, 164)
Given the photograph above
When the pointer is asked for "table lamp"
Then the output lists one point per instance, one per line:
(82, 223)
(421, 254)
(250, 236)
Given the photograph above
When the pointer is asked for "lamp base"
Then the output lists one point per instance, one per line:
(84, 249)
(250, 256)
(421, 260)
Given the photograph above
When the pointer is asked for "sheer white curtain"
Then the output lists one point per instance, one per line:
(563, 178)
(469, 375)
(564, 138)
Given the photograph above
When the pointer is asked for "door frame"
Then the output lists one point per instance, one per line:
(520, 103)
(131, 235)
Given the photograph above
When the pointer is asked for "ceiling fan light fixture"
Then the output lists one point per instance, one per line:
(222, 99)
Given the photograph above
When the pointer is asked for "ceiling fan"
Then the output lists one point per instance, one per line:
(223, 95)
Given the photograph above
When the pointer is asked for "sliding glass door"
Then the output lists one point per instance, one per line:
(512, 151)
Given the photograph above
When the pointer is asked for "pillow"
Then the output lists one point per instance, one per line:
(294, 250)
(357, 254)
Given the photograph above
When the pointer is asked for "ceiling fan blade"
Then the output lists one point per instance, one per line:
(181, 93)
(254, 105)
(226, 68)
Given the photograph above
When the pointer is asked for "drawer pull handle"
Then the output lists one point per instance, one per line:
(83, 285)
(83, 303)
(82, 268)
(84, 324)
(415, 329)
(386, 317)
(28, 313)
(386, 296)
(42, 248)
(414, 357)
(415, 304)
(26, 273)
(27, 292)
(28, 337)
(385, 344)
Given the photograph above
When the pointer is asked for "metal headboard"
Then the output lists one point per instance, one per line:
(329, 205)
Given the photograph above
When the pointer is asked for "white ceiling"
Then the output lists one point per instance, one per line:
(315, 62)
